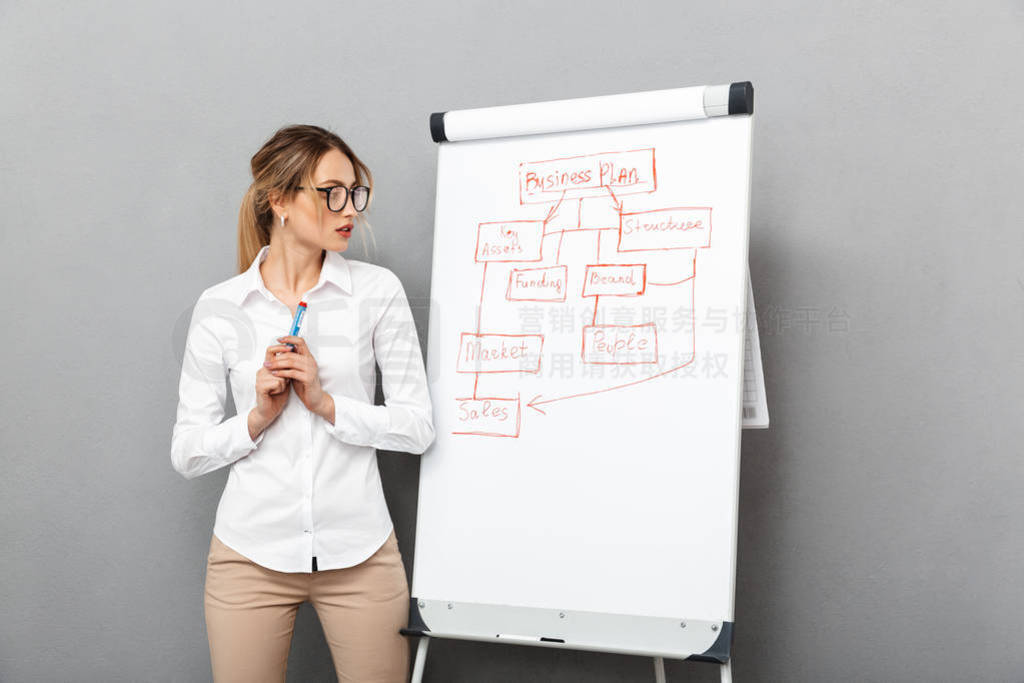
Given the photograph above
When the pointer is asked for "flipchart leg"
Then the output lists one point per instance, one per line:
(421, 660)
(659, 670)
(727, 672)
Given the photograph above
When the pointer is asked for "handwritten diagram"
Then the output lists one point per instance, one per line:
(579, 252)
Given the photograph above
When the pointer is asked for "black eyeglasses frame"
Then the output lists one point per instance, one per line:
(347, 194)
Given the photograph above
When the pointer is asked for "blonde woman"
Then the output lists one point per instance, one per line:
(303, 515)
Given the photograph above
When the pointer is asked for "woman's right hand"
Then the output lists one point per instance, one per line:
(271, 392)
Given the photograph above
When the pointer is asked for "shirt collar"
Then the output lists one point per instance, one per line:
(335, 269)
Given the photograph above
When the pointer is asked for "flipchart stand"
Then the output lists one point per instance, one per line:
(596, 168)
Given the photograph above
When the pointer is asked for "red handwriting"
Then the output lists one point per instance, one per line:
(684, 227)
(620, 344)
(537, 284)
(625, 279)
(509, 241)
(489, 416)
(537, 400)
(605, 180)
(592, 174)
(499, 352)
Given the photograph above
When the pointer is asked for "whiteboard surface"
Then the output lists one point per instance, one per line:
(612, 493)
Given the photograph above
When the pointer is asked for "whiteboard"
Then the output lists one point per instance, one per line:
(585, 360)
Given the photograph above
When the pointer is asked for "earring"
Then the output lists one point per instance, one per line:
(282, 220)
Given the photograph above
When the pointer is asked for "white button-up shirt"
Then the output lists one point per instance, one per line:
(303, 488)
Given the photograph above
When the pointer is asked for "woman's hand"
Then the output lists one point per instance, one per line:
(271, 392)
(299, 365)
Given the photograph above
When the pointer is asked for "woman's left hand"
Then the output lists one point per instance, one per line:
(301, 367)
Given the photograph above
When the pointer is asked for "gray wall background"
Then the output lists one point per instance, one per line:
(880, 534)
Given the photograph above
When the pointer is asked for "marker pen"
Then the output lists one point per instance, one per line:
(299, 311)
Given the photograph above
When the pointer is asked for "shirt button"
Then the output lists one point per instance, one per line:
(307, 531)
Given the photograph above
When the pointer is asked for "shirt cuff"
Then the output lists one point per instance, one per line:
(356, 422)
(240, 443)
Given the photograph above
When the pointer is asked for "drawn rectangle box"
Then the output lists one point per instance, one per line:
(681, 227)
(499, 353)
(588, 175)
(488, 416)
(509, 241)
(521, 280)
(620, 344)
(615, 279)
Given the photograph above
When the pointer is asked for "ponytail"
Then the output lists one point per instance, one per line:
(252, 235)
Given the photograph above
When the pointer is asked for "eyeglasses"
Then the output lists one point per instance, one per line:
(337, 196)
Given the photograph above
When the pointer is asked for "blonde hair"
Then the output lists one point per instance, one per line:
(284, 162)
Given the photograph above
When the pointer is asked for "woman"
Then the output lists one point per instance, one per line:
(303, 515)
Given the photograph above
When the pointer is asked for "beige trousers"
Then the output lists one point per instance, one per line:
(250, 616)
